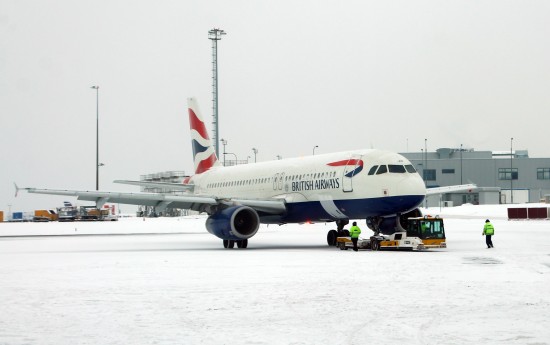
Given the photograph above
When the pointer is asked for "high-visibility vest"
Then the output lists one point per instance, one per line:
(354, 231)
(488, 229)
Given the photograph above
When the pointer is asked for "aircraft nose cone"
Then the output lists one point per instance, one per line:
(417, 185)
(413, 188)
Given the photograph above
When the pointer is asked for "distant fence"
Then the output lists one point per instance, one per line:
(529, 213)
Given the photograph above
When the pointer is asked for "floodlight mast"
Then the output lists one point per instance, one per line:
(215, 35)
(511, 173)
(97, 165)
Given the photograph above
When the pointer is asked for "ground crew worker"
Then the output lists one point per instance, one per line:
(354, 233)
(488, 231)
(424, 227)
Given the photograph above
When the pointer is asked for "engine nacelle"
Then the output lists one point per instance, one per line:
(389, 225)
(234, 223)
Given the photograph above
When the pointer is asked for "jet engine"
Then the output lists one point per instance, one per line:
(234, 223)
(389, 225)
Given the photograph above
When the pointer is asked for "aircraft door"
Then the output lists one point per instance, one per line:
(275, 181)
(278, 181)
(353, 166)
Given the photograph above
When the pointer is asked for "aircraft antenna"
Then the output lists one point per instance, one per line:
(215, 35)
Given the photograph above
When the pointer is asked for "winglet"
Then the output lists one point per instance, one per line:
(17, 189)
(204, 155)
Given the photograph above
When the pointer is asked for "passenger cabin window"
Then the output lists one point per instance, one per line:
(373, 170)
(398, 169)
(382, 170)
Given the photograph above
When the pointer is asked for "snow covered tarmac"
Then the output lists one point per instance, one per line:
(288, 287)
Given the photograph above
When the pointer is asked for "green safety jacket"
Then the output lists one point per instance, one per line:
(488, 229)
(354, 231)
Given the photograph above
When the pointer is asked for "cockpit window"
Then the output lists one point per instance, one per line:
(399, 169)
(410, 168)
(373, 169)
(382, 170)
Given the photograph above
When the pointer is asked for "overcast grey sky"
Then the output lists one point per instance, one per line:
(292, 75)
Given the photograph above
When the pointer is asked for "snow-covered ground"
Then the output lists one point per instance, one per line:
(167, 281)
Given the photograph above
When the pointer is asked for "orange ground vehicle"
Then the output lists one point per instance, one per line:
(44, 216)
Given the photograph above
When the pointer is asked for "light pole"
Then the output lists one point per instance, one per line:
(215, 35)
(426, 153)
(224, 142)
(511, 174)
(423, 167)
(96, 87)
(231, 153)
(255, 150)
(314, 147)
(460, 163)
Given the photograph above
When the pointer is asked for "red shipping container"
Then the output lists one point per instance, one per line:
(517, 213)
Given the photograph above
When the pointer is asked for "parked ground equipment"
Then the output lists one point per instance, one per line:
(90, 213)
(44, 216)
(67, 214)
(108, 213)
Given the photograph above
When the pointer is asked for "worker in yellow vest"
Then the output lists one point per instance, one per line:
(354, 233)
(488, 231)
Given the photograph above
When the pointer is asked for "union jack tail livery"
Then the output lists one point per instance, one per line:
(204, 155)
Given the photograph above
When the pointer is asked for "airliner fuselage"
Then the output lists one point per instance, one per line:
(327, 187)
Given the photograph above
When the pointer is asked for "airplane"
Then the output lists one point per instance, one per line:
(379, 186)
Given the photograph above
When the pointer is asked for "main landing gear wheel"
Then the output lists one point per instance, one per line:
(333, 234)
(228, 243)
(331, 237)
(231, 243)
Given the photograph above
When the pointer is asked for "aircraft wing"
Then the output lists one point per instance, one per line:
(449, 189)
(172, 186)
(147, 199)
(162, 201)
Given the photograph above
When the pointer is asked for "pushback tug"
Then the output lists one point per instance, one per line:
(421, 233)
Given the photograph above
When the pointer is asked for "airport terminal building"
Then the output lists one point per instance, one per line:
(501, 177)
